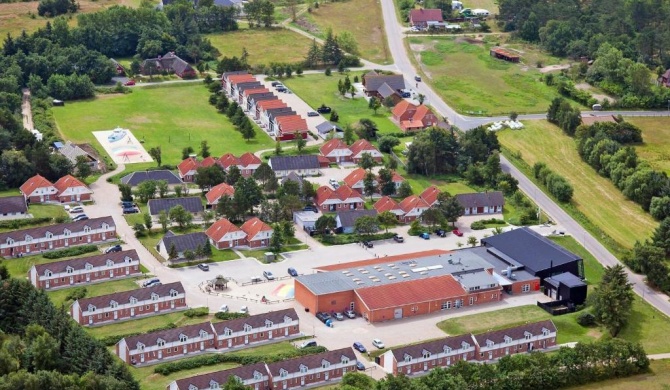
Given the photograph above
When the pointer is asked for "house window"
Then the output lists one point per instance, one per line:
(303, 369)
(113, 305)
(446, 305)
(472, 300)
(183, 338)
(525, 288)
(161, 343)
(228, 332)
(545, 332)
(426, 354)
(528, 335)
(325, 364)
(173, 293)
(69, 270)
(408, 358)
(283, 373)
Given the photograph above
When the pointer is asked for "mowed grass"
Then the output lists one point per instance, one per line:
(362, 18)
(170, 116)
(145, 324)
(657, 378)
(594, 196)
(15, 17)
(485, 86)
(656, 137)
(18, 268)
(59, 297)
(319, 89)
(264, 46)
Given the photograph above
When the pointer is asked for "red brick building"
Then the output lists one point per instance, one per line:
(254, 233)
(246, 163)
(363, 146)
(85, 270)
(240, 332)
(189, 167)
(343, 198)
(336, 151)
(312, 369)
(412, 207)
(423, 357)
(523, 338)
(217, 192)
(45, 238)
(258, 233)
(254, 376)
(129, 305)
(70, 189)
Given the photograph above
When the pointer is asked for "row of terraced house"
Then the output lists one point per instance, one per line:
(67, 189)
(247, 163)
(264, 107)
(204, 337)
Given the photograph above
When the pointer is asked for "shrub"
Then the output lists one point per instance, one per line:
(17, 223)
(493, 221)
(198, 312)
(586, 319)
(76, 293)
(75, 251)
(230, 316)
(477, 225)
(342, 239)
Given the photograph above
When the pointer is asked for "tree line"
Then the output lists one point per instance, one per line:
(41, 347)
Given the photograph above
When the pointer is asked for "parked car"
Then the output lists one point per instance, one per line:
(312, 113)
(151, 282)
(125, 204)
(338, 316)
(129, 83)
(425, 236)
(336, 186)
(378, 343)
(281, 89)
(417, 78)
(398, 238)
(203, 267)
(457, 232)
(324, 109)
(268, 275)
(311, 208)
(359, 347)
(441, 232)
(323, 317)
(292, 272)
(244, 310)
(76, 210)
(112, 249)
(275, 83)
(360, 366)
(224, 308)
(368, 244)
(332, 182)
(80, 217)
(131, 210)
(350, 314)
(307, 344)
(406, 94)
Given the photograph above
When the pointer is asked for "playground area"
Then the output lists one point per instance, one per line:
(122, 146)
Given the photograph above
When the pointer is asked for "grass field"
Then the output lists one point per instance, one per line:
(319, 89)
(15, 17)
(656, 137)
(362, 18)
(594, 196)
(18, 268)
(486, 86)
(263, 45)
(40, 211)
(145, 324)
(58, 297)
(658, 378)
(170, 116)
(151, 240)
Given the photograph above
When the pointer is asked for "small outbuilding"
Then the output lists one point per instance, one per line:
(503, 54)
(305, 220)
(566, 287)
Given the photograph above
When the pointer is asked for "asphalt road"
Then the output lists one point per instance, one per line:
(394, 32)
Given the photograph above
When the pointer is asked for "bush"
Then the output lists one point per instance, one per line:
(198, 312)
(586, 319)
(75, 251)
(230, 316)
(342, 239)
(18, 223)
(493, 221)
(76, 293)
(477, 225)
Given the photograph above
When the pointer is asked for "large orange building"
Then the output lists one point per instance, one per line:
(402, 286)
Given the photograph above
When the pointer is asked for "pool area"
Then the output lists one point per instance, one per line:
(122, 146)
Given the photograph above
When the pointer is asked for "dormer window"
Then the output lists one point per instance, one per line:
(133, 300)
(287, 319)
(128, 259)
(154, 296)
(28, 238)
(160, 343)
(527, 335)
(508, 339)
(140, 346)
(447, 349)
(203, 334)
(228, 332)
(283, 373)
(408, 358)
(183, 338)
(91, 308)
(325, 364)
(105, 225)
(214, 385)
(88, 266)
(489, 343)
(426, 354)
(110, 263)
(268, 324)
(113, 304)
(258, 375)
(303, 368)
(69, 270)
(10, 241)
(545, 332)
(173, 293)
(87, 229)
(48, 273)
(344, 360)
(66, 233)
(465, 345)
(247, 328)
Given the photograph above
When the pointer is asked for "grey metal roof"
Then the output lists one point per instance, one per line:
(185, 242)
(481, 199)
(72, 151)
(501, 266)
(348, 218)
(374, 82)
(327, 127)
(294, 177)
(465, 262)
(568, 279)
(386, 90)
(135, 178)
(531, 249)
(287, 163)
(192, 204)
(13, 204)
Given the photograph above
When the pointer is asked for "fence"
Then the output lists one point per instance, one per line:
(557, 308)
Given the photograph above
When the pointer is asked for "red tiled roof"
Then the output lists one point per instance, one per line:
(220, 228)
(360, 146)
(426, 15)
(218, 191)
(421, 112)
(190, 164)
(410, 292)
(291, 123)
(324, 193)
(411, 124)
(402, 107)
(382, 260)
(268, 104)
(66, 182)
(254, 226)
(411, 202)
(323, 160)
(249, 159)
(386, 204)
(333, 144)
(228, 160)
(397, 178)
(248, 92)
(345, 192)
(34, 183)
(355, 176)
(237, 78)
(430, 194)
(208, 162)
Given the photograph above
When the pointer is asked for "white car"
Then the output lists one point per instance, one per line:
(378, 343)
(333, 182)
(77, 210)
(223, 308)
(244, 310)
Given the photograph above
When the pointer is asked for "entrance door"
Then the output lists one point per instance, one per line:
(160, 354)
(88, 277)
(286, 332)
(530, 347)
(230, 343)
(48, 284)
(246, 339)
(71, 279)
(142, 357)
(127, 270)
(132, 312)
(90, 320)
(425, 366)
(172, 304)
(326, 375)
(270, 334)
(116, 315)
(202, 345)
(507, 351)
(302, 381)
(185, 349)
(155, 307)
(490, 355)
(397, 313)
(111, 273)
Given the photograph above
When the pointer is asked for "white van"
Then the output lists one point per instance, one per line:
(480, 12)
(596, 107)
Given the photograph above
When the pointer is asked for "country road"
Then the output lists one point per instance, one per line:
(394, 33)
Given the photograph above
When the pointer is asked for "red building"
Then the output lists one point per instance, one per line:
(312, 369)
(129, 305)
(289, 126)
(258, 233)
(246, 163)
(363, 146)
(254, 233)
(85, 270)
(219, 191)
(70, 189)
(336, 151)
(37, 189)
(254, 376)
(241, 332)
(412, 207)
(228, 78)
(45, 238)
(523, 338)
(189, 167)
(343, 198)
(423, 357)
(167, 344)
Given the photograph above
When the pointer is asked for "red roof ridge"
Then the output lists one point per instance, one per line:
(220, 228)
(34, 183)
(66, 182)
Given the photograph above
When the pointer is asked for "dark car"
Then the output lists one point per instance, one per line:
(115, 248)
(275, 83)
(425, 236)
(368, 244)
(308, 344)
(359, 347)
(398, 238)
(323, 317)
(324, 109)
(417, 78)
(312, 113)
(311, 208)
(126, 204)
(441, 232)
(203, 267)
(130, 210)
(457, 232)
(281, 89)
(406, 94)
(292, 272)
(360, 366)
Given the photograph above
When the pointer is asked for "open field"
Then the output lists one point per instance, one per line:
(362, 18)
(486, 86)
(594, 196)
(264, 46)
(15, 17)
(656, 137)
(58, 297)
(170, 116)
(657, 378)
(320, 89)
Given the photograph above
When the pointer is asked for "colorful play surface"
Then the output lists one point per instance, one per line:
(122, 146)
(284, 291)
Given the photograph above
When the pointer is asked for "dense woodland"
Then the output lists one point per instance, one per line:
(42, 348)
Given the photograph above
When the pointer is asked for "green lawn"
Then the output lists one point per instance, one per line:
(486, 86)
(362, 18)
(656, 137)
(58, 297)
(40, 211)
(260, 253)
(171, 116)
(151, 240)
(264, 46)
(152, 381)
(18, 268)
(594, 196)
(145, 324)
(320, 89)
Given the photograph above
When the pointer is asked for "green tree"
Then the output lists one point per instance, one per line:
(300, 142)
(367, 162)
(179, 215)
(324, 223)
(155, 153)
(387, 219)
(146, 190)
(661, 236)
(366, 225)
(164, 220)
(374, 104)
(472, 241)
(163, 188)
(451, 209)
(660, 207)
(388, 142)
(277, 240)
(386, 184)
(278, 148)
(433, 217)
(331, 52)
(234, 175)
(287, 229)
(208, 177)
(348, 136)
(405, 189)
(247, 130)
(82, 167)
(204, 149)
(186, 152)
(314, 55)
(224, 207)
(369, 185)
(613, 299)
(264, 173)
(148, 222)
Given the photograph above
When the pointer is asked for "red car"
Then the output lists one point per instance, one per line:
(129, 83)
(457, 232)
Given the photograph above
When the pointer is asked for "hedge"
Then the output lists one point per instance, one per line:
(74, 251)
(230, 315)
(342, 239)
(112, 340)
(199, 312)
(17, 223)
(210, 360)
